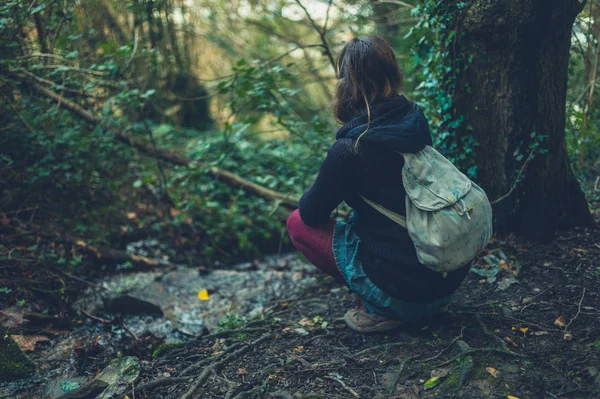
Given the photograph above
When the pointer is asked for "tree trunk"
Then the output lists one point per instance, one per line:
(518, 77)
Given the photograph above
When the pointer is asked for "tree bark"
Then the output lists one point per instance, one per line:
(518, 77)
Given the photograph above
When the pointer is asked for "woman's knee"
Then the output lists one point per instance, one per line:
(294, 224)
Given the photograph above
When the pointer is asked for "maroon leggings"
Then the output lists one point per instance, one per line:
(314, 243)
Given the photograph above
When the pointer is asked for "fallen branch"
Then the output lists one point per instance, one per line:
(171, 156)
(119, 256)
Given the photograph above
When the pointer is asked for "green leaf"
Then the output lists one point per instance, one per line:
(432, 383)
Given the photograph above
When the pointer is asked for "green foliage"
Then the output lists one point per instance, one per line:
(438, 69)
(231, 321)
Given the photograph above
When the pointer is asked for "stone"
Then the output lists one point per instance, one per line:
(130, 304)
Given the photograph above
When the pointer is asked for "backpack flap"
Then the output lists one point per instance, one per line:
(431, 181)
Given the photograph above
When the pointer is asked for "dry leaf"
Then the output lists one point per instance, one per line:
(299, 348)
(568, 336)
(203, 295)
(522, 329)
(560, 321)
(510, 341)
(28, 343)
(440, 373)
(306, 322)
(242, 371)
(126, 397)
(511, 397)
(131, 215)
(495, 373)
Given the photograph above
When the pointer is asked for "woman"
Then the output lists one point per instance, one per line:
(370, 253)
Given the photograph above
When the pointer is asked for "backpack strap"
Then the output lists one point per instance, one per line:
(393, 216)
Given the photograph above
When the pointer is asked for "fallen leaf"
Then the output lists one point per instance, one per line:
(568, 336)
(440, 373)
(126, 397)
(242, 371)
(522, 329)
(306, 322)
(560, 321)
(28, 343)
(299, 348)
(511, 397)
(431, 383)
(495, 373)
(510, 341)
(203, 295)
(131, 215)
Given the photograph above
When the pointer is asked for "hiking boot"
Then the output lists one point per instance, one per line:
(363, 322)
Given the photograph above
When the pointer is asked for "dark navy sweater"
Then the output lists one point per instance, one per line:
(375, 172)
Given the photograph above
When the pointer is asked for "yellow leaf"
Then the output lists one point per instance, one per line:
(126, 397)
(511, 397)
(495, 373)
(299, 348)
(203, 295)
(560, 321)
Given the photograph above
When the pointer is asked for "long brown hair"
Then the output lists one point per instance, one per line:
(367, 71)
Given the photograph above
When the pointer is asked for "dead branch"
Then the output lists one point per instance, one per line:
(171, 156)
(118, 256)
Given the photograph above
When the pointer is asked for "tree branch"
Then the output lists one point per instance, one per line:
(172, 157)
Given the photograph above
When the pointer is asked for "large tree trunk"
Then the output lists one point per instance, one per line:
(518, 81)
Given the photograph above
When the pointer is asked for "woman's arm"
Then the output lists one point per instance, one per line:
(331, 186)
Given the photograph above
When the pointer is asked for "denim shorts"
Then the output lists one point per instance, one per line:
(345, 250)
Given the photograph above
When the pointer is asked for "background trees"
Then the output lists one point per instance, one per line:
(105, 102)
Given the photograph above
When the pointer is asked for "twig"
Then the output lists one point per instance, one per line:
(218, 364)
(343, 384)
(126, 327)
(380, 347)
(515, 182)
(96, 318)
(446, 348)
(151, 385)
(493, 337)
(578, 310)
(477, 350)
(321, 32)
(597, 184)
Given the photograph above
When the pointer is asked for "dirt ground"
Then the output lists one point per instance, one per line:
(537, 338)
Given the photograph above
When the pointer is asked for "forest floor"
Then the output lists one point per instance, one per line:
(525, 323)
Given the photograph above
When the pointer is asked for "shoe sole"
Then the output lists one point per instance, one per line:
(380, 327)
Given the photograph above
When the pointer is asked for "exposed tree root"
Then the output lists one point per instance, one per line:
(214, 367)
(159, 382)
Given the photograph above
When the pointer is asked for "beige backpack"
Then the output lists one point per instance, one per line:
(448, 217)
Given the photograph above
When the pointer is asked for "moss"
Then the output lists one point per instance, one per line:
(162, 348)
(14, 363)
(596, 344)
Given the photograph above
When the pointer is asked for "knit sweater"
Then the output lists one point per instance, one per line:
(386, 251)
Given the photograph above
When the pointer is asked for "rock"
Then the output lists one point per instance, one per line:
(111, 383)
(124, 369)
(89, 390)
(14, 363)
(55, 389)
(130, 304)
